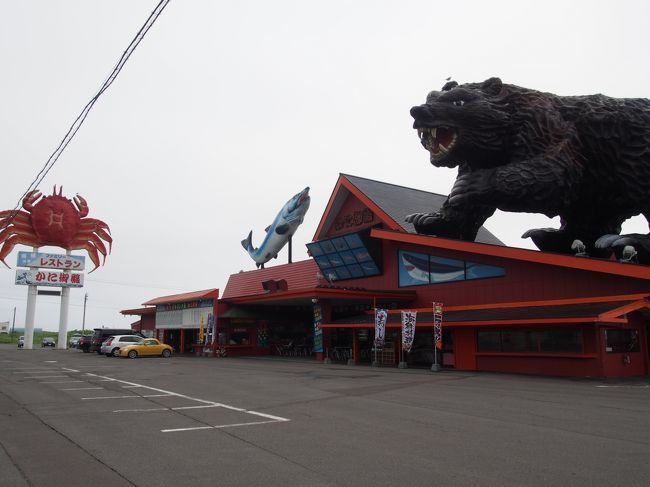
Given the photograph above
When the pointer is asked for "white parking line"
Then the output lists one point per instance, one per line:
(140, 410)
(61, 381)
(33, 371)
(164, 393)
(167, 409)
(81, 388)
(219, 426)
(46, 377)
(645, 386)
(110, 397)
(197, 407)
(270, 416)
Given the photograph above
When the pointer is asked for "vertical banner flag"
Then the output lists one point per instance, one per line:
(437, 325)
(408, 329)
(209, 336)
(381, 316)
(318, 331)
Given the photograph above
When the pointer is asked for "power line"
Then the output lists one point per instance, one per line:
(76, 125)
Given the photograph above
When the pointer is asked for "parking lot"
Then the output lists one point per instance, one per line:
(68, 418)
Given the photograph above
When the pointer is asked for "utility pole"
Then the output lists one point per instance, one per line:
(83, 320)
(13, 324)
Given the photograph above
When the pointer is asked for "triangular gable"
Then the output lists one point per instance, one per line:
(356, 200)
(349, 209)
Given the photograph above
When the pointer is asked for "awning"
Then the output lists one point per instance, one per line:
(611, 310)
(238, 312)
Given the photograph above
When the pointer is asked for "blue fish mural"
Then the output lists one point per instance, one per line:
(278, 233)
(419, 269)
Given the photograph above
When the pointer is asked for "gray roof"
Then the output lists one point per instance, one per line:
(399, 201)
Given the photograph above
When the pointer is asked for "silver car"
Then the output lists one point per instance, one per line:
(111, 346)
(74, 340)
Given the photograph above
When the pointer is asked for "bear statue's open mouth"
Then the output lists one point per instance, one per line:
(438, 140)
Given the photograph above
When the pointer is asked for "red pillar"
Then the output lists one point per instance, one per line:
(182, 340)
(356, 351)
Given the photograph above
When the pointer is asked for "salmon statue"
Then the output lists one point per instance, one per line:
(280, 231)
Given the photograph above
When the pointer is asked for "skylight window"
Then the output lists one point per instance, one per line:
(349, 256)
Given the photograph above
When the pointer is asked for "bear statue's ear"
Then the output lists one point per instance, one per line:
(492, 86)
(449, 85)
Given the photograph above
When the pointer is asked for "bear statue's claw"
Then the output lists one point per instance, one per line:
(434, 224)
(634, 247)
(550, 239)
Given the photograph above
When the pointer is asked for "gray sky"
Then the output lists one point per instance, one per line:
(229, 108)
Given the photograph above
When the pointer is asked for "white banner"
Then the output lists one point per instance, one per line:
(408, 329)
(381, 316)
(48, 278)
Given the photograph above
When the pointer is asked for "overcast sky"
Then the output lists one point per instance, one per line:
(227, 109)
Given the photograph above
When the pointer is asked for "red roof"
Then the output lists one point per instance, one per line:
(139, 311)
(299, 275)
(185, 297)
(561, 260)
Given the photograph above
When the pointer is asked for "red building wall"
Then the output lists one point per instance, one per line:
(627, 364)
(524, 281)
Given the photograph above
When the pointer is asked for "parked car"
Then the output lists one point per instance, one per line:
(73, 341)
(112, 345)
(21, 342)
(48, 342)
(148, 348)
(84, 343)
(101, 334)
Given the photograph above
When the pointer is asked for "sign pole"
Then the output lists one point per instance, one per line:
(30, 312)
(63, 314)
(83, 320)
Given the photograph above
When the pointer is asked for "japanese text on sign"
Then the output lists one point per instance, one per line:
(437, 325)
(408, 329)
(51, 261)
(49, 278)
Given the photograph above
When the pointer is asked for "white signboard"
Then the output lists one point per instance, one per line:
(182, 318)
(51, 261)
(49, 278)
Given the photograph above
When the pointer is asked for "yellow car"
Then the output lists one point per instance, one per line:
(148, 348)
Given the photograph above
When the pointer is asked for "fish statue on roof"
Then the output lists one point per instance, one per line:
(280, 231)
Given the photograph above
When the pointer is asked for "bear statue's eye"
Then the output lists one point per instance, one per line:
(459, 103)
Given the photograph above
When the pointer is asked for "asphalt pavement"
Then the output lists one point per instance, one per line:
(69, 418)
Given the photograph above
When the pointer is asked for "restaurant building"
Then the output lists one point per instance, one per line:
(504, 309)
(179, 319)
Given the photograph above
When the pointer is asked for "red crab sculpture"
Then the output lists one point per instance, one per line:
(54, 220)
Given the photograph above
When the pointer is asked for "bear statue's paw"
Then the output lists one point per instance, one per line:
(551, 240)
(633, 247)
(434, 224)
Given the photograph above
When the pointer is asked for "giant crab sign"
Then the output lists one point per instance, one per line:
(54, 220)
